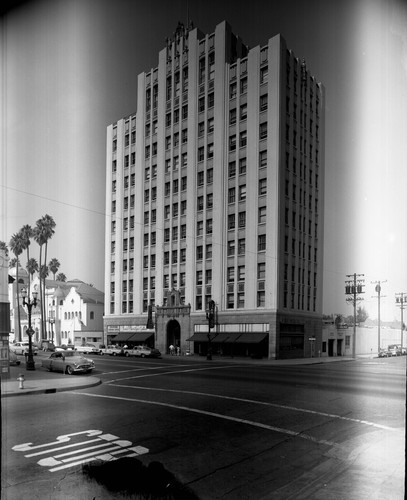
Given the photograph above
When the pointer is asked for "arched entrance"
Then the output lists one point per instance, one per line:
(173, 335)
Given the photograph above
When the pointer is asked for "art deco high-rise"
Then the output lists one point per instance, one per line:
(215, 191)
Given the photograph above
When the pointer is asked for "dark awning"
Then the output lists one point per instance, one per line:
(140, 336)
(221, 337)
(122, 337)
(200, 337)
(251, 338)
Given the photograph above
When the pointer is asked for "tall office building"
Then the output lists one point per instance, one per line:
(215, 192)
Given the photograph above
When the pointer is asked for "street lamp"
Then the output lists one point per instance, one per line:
(30, 303)
(51, 324)
(210, 316)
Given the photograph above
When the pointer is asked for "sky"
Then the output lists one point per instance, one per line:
(69, 69)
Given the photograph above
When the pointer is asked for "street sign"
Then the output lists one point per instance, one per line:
(312, 338)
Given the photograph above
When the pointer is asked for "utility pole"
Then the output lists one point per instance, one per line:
(353, 288)
(401, 301)
(378, 289)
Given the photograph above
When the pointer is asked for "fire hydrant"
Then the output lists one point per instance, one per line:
(21, 379)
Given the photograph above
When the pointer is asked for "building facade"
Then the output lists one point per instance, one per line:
(215, 191)
(74, 311)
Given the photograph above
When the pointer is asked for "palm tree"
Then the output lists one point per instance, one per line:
(16, 245)
(42, 233)
(27, 233)
(3, 246)
(61, 277)
(53, 265)
(32, 267)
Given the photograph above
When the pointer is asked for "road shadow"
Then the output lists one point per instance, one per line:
(130, 478)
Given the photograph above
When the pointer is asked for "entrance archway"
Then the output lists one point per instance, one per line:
(173, 334)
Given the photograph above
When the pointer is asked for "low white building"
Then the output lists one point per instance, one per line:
(74, 311)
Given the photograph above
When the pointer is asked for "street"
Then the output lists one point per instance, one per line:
(219, 429)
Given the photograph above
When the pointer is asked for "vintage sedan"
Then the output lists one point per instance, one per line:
(68, 362)
(143, 351)
(22, 348)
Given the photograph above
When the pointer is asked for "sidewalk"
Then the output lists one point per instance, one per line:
(41, 381)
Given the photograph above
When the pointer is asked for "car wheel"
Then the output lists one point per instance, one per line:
(127, 354)
(114, 354)
(143, 355)
(69, 370)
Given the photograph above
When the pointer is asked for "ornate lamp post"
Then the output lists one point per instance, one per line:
(210, 316)
(30, 303)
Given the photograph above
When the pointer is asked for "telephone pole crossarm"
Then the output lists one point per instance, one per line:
(353, 289)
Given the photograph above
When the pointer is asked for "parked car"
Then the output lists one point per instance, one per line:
(47, 345)
(384, 353)
(12, 357)
(68, 362)
(87, 349)
(64, 347)
(22, 348)
(394, 350)
(112, 350)
(143, 351)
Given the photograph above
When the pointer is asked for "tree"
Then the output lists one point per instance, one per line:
(42, 233)
(32, 267)
(26, 234)
(53, 266)
(16, 245)
(61, 277)
(3, 246)
(361, 315)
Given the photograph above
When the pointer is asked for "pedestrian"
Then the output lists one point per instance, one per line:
(178, 351)
(172, 350)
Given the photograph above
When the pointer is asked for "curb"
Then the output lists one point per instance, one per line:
(52, 389)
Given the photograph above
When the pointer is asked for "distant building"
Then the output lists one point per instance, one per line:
(74, 311)
(215, 191)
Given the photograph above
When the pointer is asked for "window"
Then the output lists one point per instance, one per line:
(201, 153)
(232, 90)
(232, 116)
(209, 200)
(231, 195)
(232, 169)
(199, 228)
(183, 207)
(242, 192)
(231, 221)
(176, 115)
(243, 85)
(208, 277)
(232, 142)
(201, 104)
(183, 232)
(211, 100)
(184, 112)
(231, 248)
(231, 274)
(201, 178)
(209, 176)
(241, 273)
(242, 166)
(261, 270)
(261, 242)
(261, 299)
(209, 251)
(201, 129)
(166, 212)
(209, 226)
(184, 136)
(199, 252)
(241, 246)
(175, 186)
(242, 219)
(243, 111)
(210, 150)
(183, 183)
(200, 203)
(262, 187)
(263, 130)
(264, 74)
(262, 215)
(243, 139)
(263, 102)
(211, 124)
(167, 188)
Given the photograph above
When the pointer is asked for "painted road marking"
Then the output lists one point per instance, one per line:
(274, 405)
(171, 372)
(109, 448)
(216, 415)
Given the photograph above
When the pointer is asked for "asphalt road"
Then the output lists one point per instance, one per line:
(212, 429)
